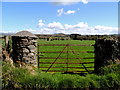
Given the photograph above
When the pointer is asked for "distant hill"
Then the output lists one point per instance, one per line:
(6, 34)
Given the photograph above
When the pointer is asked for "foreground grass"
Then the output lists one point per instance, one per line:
(22, 78)
(77, 49)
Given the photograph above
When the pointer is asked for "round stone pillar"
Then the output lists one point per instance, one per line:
(24, 46)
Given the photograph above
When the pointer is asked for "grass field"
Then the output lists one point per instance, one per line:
(79, 67)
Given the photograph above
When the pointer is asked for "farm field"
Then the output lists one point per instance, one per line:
(69, 55)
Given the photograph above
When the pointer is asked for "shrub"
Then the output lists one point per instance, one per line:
(81, 82)
(66, 81)
(103, 82)
(93, 80)
(43, 80)
(6, 74)
(113, 80)
(11, 76)
(46, 80)
(113, 68)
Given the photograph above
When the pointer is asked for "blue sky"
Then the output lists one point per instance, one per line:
(48, 17)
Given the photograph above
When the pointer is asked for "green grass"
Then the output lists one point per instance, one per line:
(70, 55)
(18, 78)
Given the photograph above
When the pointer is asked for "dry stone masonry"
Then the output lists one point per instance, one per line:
(106, 52)
(24, 46)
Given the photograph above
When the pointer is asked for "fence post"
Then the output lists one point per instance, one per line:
(6, 41)
(38, 55)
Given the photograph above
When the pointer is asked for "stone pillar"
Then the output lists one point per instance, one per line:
(6, 40)
(24, 46)
(106, 51)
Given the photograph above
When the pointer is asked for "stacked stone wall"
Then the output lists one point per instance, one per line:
(106, 52)
(25, 49)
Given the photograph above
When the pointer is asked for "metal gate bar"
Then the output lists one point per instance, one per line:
(67, 58)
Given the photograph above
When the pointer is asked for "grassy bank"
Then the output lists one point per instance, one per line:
(22, 78)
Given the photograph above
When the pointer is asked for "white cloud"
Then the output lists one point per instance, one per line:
(31, 30)
(85, 1)
(69, 2)
(106, 29)
(81, 25)
(60, 12)
(40, 23)
(79, 28)
(55, 25)
(71, 29)
(70, 12)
